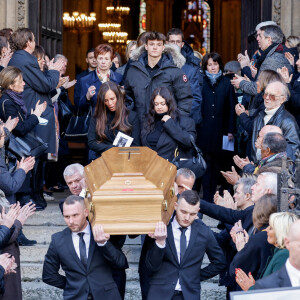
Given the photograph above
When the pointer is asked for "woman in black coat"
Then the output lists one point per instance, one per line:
(13, 105)
(164, 130)
(110, 117)
(253, 256)
(218, 114)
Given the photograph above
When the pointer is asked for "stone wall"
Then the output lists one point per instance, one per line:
(13, 13)
(286, 14)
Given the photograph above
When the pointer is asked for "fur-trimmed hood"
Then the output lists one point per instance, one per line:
(173, 52)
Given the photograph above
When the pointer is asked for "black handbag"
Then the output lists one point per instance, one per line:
(28, 145)
(64, 117)
(78, 127)
(196, 164)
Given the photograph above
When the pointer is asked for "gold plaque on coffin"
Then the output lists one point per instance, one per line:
(130, 190)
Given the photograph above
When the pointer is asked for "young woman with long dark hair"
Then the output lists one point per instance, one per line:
(110, 117)
(164, 130)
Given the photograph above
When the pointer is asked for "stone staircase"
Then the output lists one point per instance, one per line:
(43, 224)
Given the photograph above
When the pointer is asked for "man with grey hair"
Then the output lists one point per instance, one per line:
(244, 204)
(185, 179)
(74, 177)
(266, 183)
(276, 93)
(271, 57)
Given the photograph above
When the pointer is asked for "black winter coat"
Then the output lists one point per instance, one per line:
(284, 120)
(218, 113)
(253, 257)
(175, 134)
(293, 104)
(8, 108)
(139, 86)
(99, 147)
(38, 85)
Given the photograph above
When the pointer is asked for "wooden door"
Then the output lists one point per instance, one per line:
(45, 20)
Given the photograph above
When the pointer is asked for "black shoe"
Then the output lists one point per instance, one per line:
(27, 199)
(23, 198)
(56, 190)
(24, 241)
(62, 186)
(40, 200)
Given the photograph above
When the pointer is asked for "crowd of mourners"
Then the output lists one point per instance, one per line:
(244, 115)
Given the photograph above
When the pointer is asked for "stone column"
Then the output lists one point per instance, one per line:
(13, 13)
(284, 13)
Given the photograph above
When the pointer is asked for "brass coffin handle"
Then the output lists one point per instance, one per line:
(165, 205)
(172, 190)
(92, 208)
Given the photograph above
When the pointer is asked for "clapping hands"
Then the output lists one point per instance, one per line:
(8, 219)
(8, 263)
(232, 176)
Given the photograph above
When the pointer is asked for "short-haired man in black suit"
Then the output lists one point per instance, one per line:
(87, 257)
(176, 260)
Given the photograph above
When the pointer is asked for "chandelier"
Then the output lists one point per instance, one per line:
(111, 31)
(122, 10)
(109, 26)
(115, 37)
(79, 21)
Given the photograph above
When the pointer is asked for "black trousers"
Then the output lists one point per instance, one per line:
(177, 296)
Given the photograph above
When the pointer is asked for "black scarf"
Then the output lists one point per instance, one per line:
(263, 55)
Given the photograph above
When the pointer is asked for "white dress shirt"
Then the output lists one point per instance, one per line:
(294, 274)
(177, 235)
(86, 238)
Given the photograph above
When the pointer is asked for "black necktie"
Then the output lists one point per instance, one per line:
(182, 242)
(82, 249)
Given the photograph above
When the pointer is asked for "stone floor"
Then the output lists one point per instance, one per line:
(43, 224)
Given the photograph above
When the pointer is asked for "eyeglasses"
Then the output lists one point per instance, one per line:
(271, 96)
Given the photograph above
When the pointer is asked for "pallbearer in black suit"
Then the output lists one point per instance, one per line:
(176, 260)
(87, 257)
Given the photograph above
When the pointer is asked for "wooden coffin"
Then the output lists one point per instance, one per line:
(130, 190)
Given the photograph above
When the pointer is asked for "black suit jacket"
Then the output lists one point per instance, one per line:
(227, 215)
(163, 262)
(78, 282)
(275, 280)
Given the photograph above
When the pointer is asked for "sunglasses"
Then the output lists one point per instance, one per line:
(271, 96)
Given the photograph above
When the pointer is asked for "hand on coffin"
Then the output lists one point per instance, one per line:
(160, 233)
(100, 236)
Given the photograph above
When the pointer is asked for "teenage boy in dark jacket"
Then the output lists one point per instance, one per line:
(151, 68)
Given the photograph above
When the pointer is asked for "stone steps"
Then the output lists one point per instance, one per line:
(45, 223)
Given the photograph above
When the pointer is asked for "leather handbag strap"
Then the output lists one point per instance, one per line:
(195, 146)
(3, 109)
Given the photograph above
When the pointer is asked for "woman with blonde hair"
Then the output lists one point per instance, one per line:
(277, 231)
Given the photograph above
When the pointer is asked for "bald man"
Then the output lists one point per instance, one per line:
(276, 93)
(244, 163)
(289, 274)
